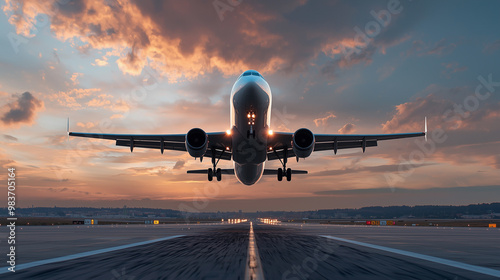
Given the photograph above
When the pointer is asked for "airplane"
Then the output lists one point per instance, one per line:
(250, 141)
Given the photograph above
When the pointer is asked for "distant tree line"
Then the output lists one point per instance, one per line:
(372, 212)
(424, 211)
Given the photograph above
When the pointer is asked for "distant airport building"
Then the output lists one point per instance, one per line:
(90, 221)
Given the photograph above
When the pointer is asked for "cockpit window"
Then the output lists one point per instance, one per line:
(251, 73)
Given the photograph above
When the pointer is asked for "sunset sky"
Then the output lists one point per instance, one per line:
(121, 66)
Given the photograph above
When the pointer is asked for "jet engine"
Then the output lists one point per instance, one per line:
(303, 142)
(196, 142)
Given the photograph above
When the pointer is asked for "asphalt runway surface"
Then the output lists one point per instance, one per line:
(221, 251)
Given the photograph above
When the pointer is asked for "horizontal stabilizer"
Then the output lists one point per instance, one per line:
(205, 171)
(275, 171)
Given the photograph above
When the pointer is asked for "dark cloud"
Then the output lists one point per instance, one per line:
(23, 110)
(364, 55)
(409, 116)
(451, 68)
(189, 38)
(449, 113)
(492, 47)
(71, 8)
(59, 190)
(371, 169)
(179, 164)
(442, 47)
(417, 46)
(10, 138)
(57, 180)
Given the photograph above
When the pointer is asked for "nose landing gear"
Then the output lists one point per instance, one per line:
(251, 132)
(251, 123)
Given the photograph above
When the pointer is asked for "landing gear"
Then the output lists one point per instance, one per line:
(251, 132)
(284, 171)
(289, 174)
(210, 174)
(218, 174)
(215, 172)
(251, 123)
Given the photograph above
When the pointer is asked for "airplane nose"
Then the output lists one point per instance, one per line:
(251, 93)
(248, 174)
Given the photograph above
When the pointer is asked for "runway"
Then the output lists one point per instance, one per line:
(221, 251)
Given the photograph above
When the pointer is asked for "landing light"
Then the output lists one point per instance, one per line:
(270, 148)
(248, 116)
(253, 116)
(227, 148)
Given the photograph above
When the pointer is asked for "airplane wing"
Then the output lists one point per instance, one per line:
(217, 141)
(231, 171)
(324, 142)
(281, 142)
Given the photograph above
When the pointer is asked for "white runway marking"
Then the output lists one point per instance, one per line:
(85, 254)
(469, 267)
(254, 268)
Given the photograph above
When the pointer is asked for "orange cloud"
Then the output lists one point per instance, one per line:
(74, 97)
(86, 125)
(139, 39)
(100, 101)
(74, 78)
(347, 128)
(409, 116)
(324, 121)
(183, 40)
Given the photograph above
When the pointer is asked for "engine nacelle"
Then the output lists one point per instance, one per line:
(303, 142)
(196, 142)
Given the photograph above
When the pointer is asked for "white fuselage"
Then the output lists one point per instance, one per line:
(250, 125)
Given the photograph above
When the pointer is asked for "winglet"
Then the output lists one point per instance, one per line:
(67, 129)
(425, 129)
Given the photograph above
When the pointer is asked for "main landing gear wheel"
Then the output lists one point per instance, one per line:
(219, 174)
(289, 174)
(280, 174)
(210, 174)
